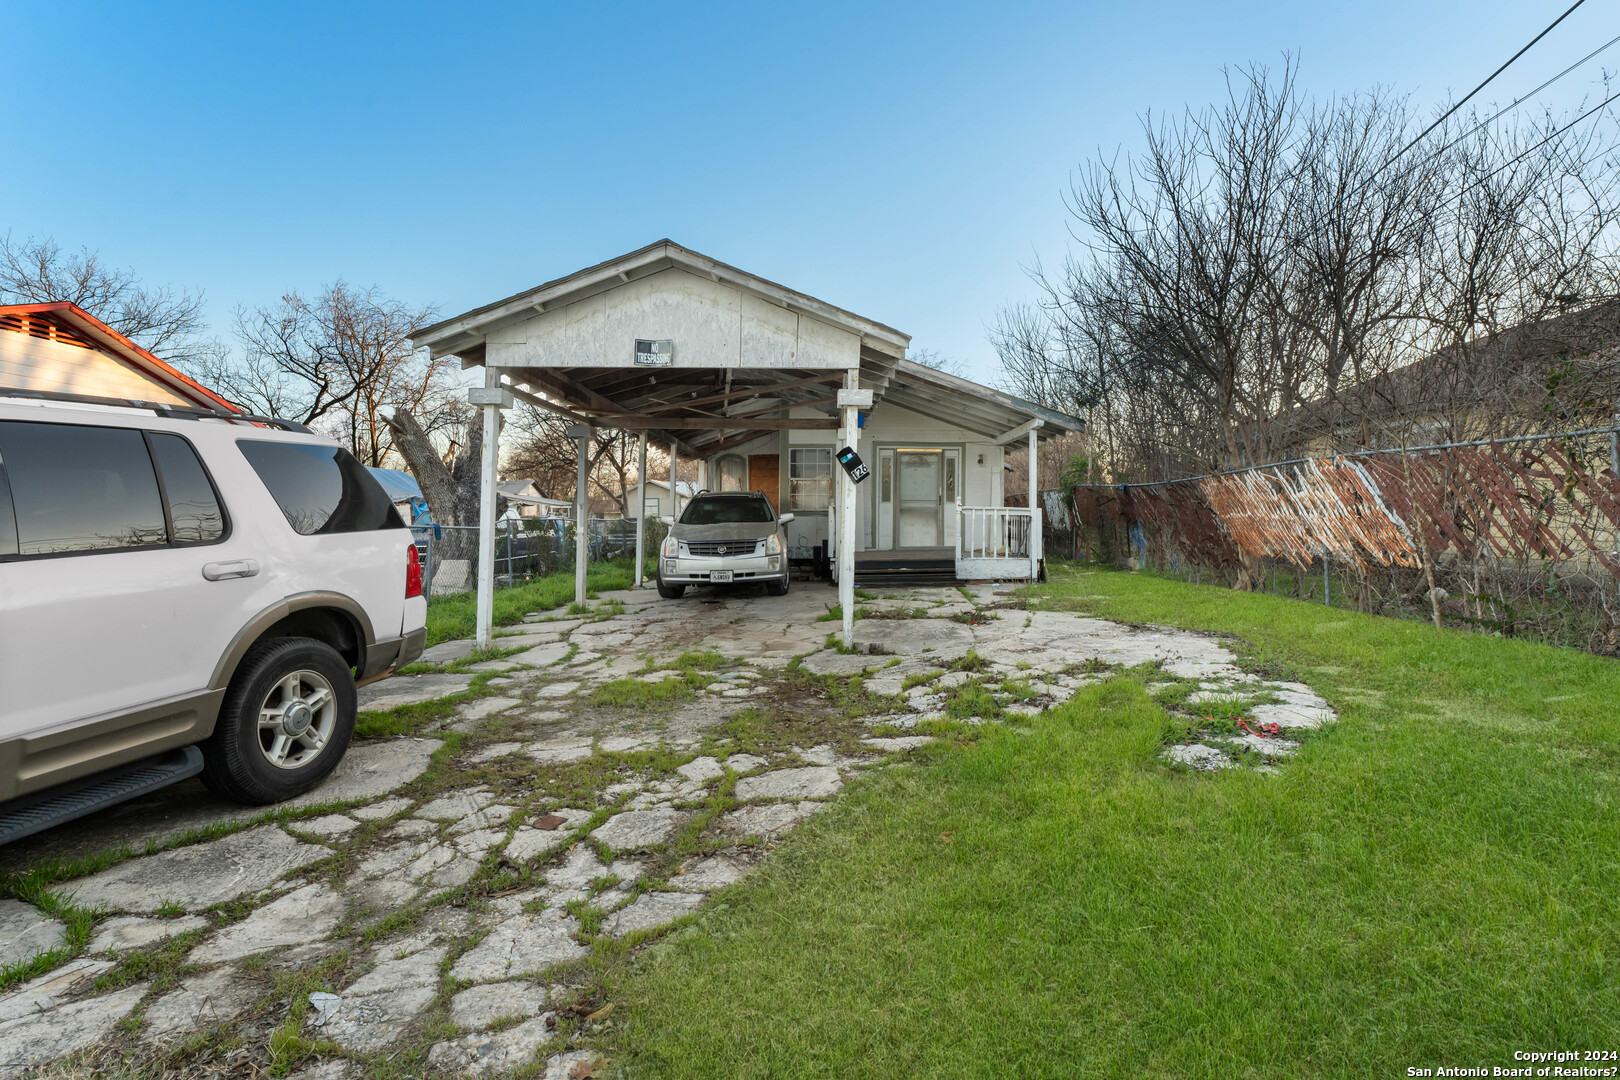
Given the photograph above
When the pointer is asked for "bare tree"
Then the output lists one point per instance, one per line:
(166, 323)
(340, 363)
(540, 451)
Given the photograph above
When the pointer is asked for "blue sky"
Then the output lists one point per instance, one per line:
(901, 160)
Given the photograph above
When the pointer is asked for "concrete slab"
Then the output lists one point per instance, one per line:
(41, 1038)
(300, 917)
(523, 944)
(25, 932)
(650, 911)
(813, 782)
(125, 932)
(410, 690)
(197, 876)
(480, 1006)
(201, 1003)
(486, 1052)
(634, 830)
(448, 651)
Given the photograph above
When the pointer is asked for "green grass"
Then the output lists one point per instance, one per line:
(455, 616)
(1432, 881)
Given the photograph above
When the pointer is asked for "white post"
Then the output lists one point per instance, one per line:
(489, 464)
(641, 506)
(848, 434)
(582, 510)
(674, 469)
(1034, 514)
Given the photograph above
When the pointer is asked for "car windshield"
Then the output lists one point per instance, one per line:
(725, 510)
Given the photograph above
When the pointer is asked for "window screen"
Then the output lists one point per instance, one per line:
(194, 509)
(80, 488)
(321, 489)
(810, 474)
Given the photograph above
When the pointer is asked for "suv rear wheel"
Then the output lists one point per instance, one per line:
(286, 720)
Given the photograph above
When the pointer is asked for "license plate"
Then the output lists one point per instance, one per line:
(720, 575)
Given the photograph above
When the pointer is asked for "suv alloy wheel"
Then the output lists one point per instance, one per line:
(286, 720)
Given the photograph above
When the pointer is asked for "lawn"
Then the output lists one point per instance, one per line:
(1432, 883)
(455, 615)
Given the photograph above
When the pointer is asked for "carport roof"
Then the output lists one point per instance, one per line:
(708, 410)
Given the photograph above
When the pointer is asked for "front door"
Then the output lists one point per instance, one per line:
(919, 517)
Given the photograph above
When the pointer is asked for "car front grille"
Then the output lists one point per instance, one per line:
(710, 549)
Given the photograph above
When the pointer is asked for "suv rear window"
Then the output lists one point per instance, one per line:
(726, 510)
(321, 489)
(73, 488)
(78, 488)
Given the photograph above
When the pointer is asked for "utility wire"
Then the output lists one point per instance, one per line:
(1523, 98)
(1532, 149)
(1482, 85)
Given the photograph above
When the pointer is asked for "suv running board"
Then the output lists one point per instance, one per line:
(32, 814)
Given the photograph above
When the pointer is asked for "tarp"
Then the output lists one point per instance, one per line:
(400, 485)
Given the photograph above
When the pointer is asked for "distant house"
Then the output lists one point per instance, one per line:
(659, 501)
(528, 501)
(63, 349)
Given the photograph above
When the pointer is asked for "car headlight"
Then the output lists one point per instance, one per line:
(671, 547)
(773, 546)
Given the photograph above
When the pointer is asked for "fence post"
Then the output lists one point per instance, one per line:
(1327, 596)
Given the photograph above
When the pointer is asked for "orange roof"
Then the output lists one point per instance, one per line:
(72, 324)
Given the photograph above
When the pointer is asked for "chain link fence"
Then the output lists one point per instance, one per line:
(525, 548)
(1517, 537)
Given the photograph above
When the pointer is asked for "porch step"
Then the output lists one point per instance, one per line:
(31, 814)
(905, 571)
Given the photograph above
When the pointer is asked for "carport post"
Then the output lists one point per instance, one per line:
(848, 433)
(674, 495)
(641, 506)
(492, 398)
(1035, 537)
(581, 434)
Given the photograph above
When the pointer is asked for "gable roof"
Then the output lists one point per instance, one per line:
(657, 256)
(69, 324)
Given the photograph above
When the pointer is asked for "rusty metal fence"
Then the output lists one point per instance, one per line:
(1515, 536)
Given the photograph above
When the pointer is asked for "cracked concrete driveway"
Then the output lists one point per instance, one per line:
(435, 903)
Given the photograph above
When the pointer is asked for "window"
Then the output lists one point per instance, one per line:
(194, 513)
(810, 475)
(650, 508)
(712, 510)
(321, 489)
(78, 488)
(950, 479)
(733, 473)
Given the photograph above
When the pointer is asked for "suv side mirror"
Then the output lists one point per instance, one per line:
(665, 519)
(784, 519)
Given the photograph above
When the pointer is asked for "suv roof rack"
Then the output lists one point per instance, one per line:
(179, 412)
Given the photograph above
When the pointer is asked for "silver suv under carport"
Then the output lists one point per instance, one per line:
(724, 537)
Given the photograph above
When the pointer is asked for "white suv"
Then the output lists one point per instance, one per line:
(181, 595)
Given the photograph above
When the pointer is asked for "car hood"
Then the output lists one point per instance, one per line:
(732, 530)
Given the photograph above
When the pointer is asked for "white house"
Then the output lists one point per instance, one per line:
(766, 387)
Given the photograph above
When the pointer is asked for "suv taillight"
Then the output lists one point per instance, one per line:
(413, 573)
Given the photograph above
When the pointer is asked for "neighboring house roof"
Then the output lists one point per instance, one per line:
(682, 487)
(40, 357)
(401, 486)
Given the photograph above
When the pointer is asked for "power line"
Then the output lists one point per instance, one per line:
(1487, 81)
(1523, 98)
(1520, 156)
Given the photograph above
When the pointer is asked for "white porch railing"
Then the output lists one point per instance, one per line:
(997, 542)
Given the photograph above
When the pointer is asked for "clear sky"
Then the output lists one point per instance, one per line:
(901, 160)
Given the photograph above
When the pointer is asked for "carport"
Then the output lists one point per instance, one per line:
(681, 348)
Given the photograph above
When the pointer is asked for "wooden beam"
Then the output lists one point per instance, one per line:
(759, 391)
(723, 423)
(541, 403)
(717, 416)
(1020, 431)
